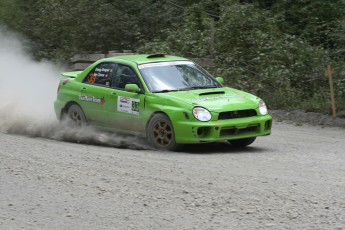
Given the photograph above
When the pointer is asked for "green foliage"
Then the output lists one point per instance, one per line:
(189, 38)
(261, 59)
(312, 20)
(9, 10)
(275, 49)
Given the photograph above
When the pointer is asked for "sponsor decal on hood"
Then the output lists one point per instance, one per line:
(217, 97)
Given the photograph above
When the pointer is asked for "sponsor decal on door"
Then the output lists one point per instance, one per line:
(128, 105)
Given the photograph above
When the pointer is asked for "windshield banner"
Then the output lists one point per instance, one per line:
(142, 66)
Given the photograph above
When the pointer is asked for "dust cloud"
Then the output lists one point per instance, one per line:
(27, 93)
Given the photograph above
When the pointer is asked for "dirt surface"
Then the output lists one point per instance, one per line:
(293, 179)
(54, 177)
(302, 117)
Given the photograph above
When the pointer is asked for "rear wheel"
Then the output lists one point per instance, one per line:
(242, 142)
(160, 133)
(76, 116)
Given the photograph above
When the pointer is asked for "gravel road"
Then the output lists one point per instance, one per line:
(293, 179)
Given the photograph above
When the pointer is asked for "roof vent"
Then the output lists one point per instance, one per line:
(156, 55)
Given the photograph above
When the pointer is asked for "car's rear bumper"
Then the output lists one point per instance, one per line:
(196, 132)
(58, 106)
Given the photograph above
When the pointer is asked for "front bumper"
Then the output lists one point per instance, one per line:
(231, 129)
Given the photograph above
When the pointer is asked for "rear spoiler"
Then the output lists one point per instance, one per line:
(73, 74)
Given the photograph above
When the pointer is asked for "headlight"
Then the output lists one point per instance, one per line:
(201, 114)
(262, 107)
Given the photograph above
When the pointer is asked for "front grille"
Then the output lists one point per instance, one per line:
(237, 114)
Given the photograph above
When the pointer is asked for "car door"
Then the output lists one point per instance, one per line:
(126, 110)
(95, 93)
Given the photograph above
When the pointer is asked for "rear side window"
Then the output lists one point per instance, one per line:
(101, 74)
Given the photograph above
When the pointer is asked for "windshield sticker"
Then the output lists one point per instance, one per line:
(128, 105)
(217, 97)
(168, 63)
(92, 99)
(102, 72)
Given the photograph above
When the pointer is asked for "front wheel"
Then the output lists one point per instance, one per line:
(160, 133)
(242, 142)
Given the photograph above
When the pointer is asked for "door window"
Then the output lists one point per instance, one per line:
(124, 75)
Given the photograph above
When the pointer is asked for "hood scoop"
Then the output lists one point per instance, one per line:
(211, 93)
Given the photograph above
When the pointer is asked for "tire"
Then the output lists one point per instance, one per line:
(242, 142)
(76, 116)
(160, 133)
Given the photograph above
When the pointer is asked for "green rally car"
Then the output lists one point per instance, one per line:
(168, 99)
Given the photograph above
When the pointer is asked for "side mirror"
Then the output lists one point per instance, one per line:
(134, 88)
(220, 80)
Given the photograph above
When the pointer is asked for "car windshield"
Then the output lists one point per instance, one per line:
(176, 76)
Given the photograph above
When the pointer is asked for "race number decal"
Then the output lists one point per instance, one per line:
(92, 78)
(128, 105)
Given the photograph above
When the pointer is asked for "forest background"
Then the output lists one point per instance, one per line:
(276, 49)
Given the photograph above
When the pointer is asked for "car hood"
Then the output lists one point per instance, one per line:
(215, 100)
